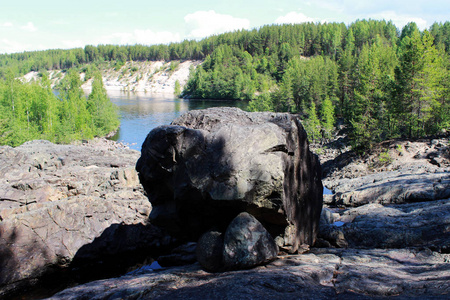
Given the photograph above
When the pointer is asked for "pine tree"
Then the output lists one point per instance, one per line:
(312, 124)
(419, 78)
(428, 84)
(327, 118)
(177, 89)
(103, 112)
(262, 103)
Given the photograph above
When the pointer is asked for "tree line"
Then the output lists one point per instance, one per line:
(31, 111)
(307, 39)
(381, 81)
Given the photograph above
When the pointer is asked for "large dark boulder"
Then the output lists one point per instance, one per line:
(210, 165)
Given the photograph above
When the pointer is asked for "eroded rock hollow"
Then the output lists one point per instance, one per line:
(209, 165)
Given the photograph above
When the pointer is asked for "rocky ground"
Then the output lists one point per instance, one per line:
(320, 274)
(397, 196)
(64, 205)
(390, 240)
(385, 232)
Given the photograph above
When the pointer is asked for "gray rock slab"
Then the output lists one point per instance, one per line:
(424, 224)
(56, 199)
(320, 274)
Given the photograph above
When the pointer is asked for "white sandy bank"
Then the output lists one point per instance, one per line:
(155, 77)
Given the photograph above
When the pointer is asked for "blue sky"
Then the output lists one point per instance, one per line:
(27, 25)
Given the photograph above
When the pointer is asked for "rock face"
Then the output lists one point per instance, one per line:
(210, 165)
(64, 202)
(424, 224)
(403, 202)
(374, 263)
(320, 274)
(394, 187)
(209, 251)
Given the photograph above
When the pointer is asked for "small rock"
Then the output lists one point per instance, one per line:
(247, 243)
(326, 217)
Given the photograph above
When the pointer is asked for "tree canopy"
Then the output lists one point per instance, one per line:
(381, 81)
(32, 111)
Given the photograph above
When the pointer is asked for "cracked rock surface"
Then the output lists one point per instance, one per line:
(54, 199)
(320, 274)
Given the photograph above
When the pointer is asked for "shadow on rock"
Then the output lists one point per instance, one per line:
(120, 248)
(13, 267)
(210, 165)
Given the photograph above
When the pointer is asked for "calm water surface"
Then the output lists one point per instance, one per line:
(140, 113)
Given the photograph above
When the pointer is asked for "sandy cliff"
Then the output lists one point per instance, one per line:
(156, 77)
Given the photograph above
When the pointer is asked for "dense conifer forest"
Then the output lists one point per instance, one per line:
(381, 81)
(31, 111)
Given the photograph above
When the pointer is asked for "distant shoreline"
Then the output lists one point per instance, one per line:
(150, 77)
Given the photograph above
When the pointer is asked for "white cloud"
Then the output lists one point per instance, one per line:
(7, 24)
(400, 20)
(29, 27)
(206, 23)
(294, 18)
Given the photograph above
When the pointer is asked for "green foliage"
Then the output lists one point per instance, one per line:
(382, 82)
(420, 92)
(104, 113)
(384, 158)
(31, 111)
(173, 66)
(327, 118)
(262, 103)
(118, 65)
(177, 90)
(312, 124)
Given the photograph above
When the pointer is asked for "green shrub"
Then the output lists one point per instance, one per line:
(384, 158)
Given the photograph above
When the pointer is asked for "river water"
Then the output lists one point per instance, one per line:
(140, 113)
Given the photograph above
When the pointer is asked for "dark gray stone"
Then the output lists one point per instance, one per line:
(58, 202)
(210, 165)
(424, 224)
(394, 187)
(210, 251)
(247, 243)
(181, 255)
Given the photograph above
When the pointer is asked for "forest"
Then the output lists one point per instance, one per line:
(30, 111)
(379, 81)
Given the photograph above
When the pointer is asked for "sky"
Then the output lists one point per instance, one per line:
(29, 25)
